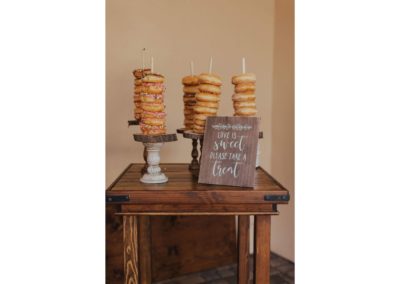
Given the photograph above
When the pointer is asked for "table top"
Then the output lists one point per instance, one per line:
(184, 194)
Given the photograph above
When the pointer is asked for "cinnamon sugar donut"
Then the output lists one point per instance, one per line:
(190, 89)
(246, 111)
(207, 104)
(240, 104)
(205, 110)
(243, 97)
(207, 78)
(244, 78)
(153, 107)
(207, 88)
(190, 80)
(206, 97)
(245, 87)
(153, 121)
(153, 78)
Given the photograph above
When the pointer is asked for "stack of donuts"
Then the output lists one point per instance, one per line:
(152, 102)
(207, 100)
(138, 74)
(244, 99)
(190, 88)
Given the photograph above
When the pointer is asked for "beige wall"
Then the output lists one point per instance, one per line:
(175, 32)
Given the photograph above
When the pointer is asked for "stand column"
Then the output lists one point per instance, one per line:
(153, 174)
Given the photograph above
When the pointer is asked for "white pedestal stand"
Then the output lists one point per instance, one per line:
(153, 173)
(152, 146)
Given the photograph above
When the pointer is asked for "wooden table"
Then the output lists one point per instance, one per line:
(182, 195)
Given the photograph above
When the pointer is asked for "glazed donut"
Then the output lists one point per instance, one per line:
(205, 97)
(150, 98)
(149, 114)
(207, 78)
(138, 82)
(153, 78)
(139, 73)
(245, 87)
(198, 128)
(190, 89)
(200, 116)
(138, 110)
(246, 111)
(153, 121)
(137, 104)
(136, 98)
(244, 104)
(154, 89)
(152, 107)
(199, 122)
(190, 80)
(207, 104)
(207, 88)
(204, 110)
(243, 97)
(244, 78)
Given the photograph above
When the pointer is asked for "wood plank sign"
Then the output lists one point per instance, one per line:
(229, 151)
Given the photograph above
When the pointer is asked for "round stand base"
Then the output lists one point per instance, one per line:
(158, 178)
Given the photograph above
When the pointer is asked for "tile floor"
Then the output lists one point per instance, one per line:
(282, 272)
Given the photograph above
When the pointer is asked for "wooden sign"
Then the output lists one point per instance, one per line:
(229, 151)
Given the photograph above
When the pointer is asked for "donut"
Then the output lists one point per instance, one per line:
(138, 82)
(205, 97)
(187, 112)
(200, 122)
(207, 88)
(138, 89)
(207, 78)
(244, 104)
(137, 104)
(136, 98)
(243, 97)
(245, 87)
(193, 95)
(190, 89)
(137, 116)
(149, 114)
(204, 110)
(138, 110)
(153, 121)
(246, 111)
(189, 100)
(150, 98)
(152, 89)
(244, 78)
(198, 128)
(153, 131)
(153, 78)
(152, 107)
(207, 104)
(200, 116)
(188, 121)
(139, 73)
(190, 80)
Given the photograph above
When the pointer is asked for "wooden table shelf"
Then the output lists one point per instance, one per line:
(182, 195)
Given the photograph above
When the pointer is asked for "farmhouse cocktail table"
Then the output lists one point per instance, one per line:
(182, 195)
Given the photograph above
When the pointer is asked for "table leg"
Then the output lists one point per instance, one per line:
(144, 250)
(243, 271)
(262, 234)
(130, 250)
(194, 165)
